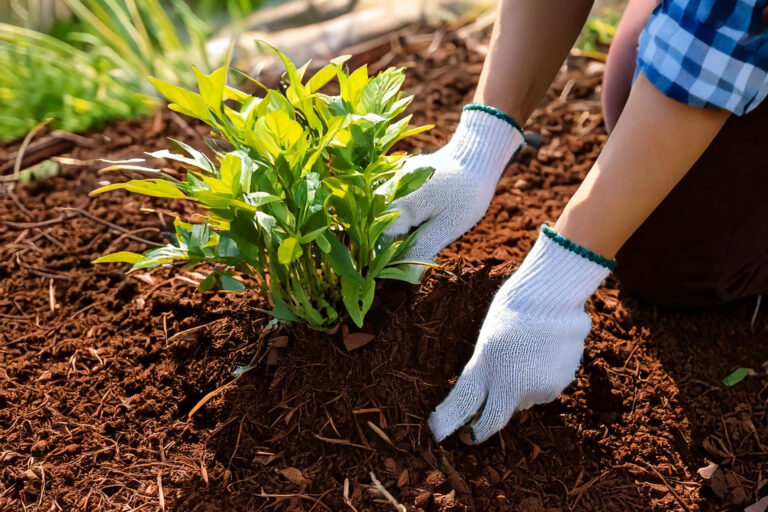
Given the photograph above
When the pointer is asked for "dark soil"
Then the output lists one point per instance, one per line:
(99, 371)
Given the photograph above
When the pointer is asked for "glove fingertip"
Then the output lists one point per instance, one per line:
(446, 418)
(434, 426)
(479, 437)
(457, 409)
(438, 425)
(496, 414)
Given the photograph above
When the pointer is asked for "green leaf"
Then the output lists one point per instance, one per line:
(738, 375)
(355, 84)
(293, 74)
(348, 216)
(196, 158)
(231, 93)
(385, 250)
(323, 76)
(323, 244)
(280, 310)
(357, 299)
(152, 187)
(216, 185)
(218, 280)
(381, 89)
(231, 284)
(401, 185)
(289, 251)
(161, 255)
(257, 199)
(249, 244)
(398, 131)
(412, 181)
(212, 87)
(312, 235)
(266, 221)
(214, 200)
(409, 273)
(120, 257)
(381, 224)
(283, 128)
(337, 186)
(199, 240)
(415, 131)
(275, 133)
(210, 282)
(334, 125)
(227, 247)
(341, 260)
(182, 100)
(230, 172)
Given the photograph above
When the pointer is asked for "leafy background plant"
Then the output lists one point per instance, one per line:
(299, 193)
(600, 28)
(44, 77)
(91, 67)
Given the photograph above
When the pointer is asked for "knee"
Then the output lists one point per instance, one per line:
(657, 274)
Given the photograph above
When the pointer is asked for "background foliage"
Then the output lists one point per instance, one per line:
(91, 66)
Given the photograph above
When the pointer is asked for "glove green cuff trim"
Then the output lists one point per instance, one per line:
(608, 263)
(498, 114)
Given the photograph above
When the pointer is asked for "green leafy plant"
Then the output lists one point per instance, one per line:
(299, 192)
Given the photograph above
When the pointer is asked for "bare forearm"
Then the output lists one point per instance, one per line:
(530, 41)
(655, 142)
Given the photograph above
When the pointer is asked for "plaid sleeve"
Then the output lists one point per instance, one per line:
(707, 53)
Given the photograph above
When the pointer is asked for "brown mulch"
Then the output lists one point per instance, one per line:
(99, 371)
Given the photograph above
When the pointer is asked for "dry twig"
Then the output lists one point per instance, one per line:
(384, 492)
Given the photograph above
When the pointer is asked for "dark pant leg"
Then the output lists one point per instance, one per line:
(707, 242)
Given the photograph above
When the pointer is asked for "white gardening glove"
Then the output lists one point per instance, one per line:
(459, 192)
(531, 342)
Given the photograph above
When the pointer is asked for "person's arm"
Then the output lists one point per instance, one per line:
(532, 339)
(655, 142)
(530, 41)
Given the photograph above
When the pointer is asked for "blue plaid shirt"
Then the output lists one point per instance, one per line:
(707, 53)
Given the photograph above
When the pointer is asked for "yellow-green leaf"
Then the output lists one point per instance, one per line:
(231, 169)
(217, 185)
(152, 187)
(186, 102)
(120, 257)
(212, 87)
(289, 251)
(283, 129)
(322, 77)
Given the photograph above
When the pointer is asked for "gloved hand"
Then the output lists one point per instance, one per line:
(532, 339)
(460, 190)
